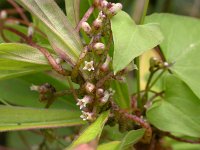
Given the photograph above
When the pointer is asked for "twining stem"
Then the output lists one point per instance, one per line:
(85, 17)
(137, 59)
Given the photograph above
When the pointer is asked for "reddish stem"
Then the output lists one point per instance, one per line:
(85, 17)
(45, 52)
(19, 10)
(181, 139)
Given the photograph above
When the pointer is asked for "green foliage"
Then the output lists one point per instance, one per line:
(61, 34)
(144, 118)
(178, 112)
(129, 139)
(17, 91)
(181, 46)
(92, 132)
(19, 118)
(19, 59)
(121, 95)
(131, 40)
(72, 11)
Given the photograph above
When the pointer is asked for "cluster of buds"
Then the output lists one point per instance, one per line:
(156, 64)
(46, 91)
(97, 98)
(110, 9)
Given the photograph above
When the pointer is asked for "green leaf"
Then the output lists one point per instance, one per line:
(131, 40)
(92, 132)
(181, 46)
(62, 36)
(21, 95)
(114, 145)
(179, 111)
(20, 59)
(121, 95)
(72, 10)
(7, 74)
(131, 138)
(23, 53)
(20, 118)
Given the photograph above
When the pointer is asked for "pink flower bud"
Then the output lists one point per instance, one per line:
(99, 48)
(89, 87)
(105, 65)
(86, 27)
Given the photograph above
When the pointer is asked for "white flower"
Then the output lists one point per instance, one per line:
(87, 116)
(34, 88)
(89, 65)
(106, 96)
(84, 101)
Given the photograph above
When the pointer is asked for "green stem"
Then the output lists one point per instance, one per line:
(137, 59)
(156, 79)
(146, 4)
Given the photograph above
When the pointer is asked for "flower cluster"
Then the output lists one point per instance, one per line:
(97, 62)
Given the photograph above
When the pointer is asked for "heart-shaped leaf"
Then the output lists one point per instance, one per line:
(131, 40)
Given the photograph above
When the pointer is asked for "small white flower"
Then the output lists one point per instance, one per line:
(89, 66)
(3, 14)
(84, 101)
(105, 98)
(34, 88)
(87, 116)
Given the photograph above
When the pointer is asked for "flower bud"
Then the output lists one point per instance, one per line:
(105, 65)
(154, 63)
(99, 92)
(97, 24)
(99, 48)
(87, 116)
(59, 60)
(166, 64)
(114, 9)
(105, 98)
(89, 87)
(30, 31)
(34, 88)
(3, 14)
(86, 27)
